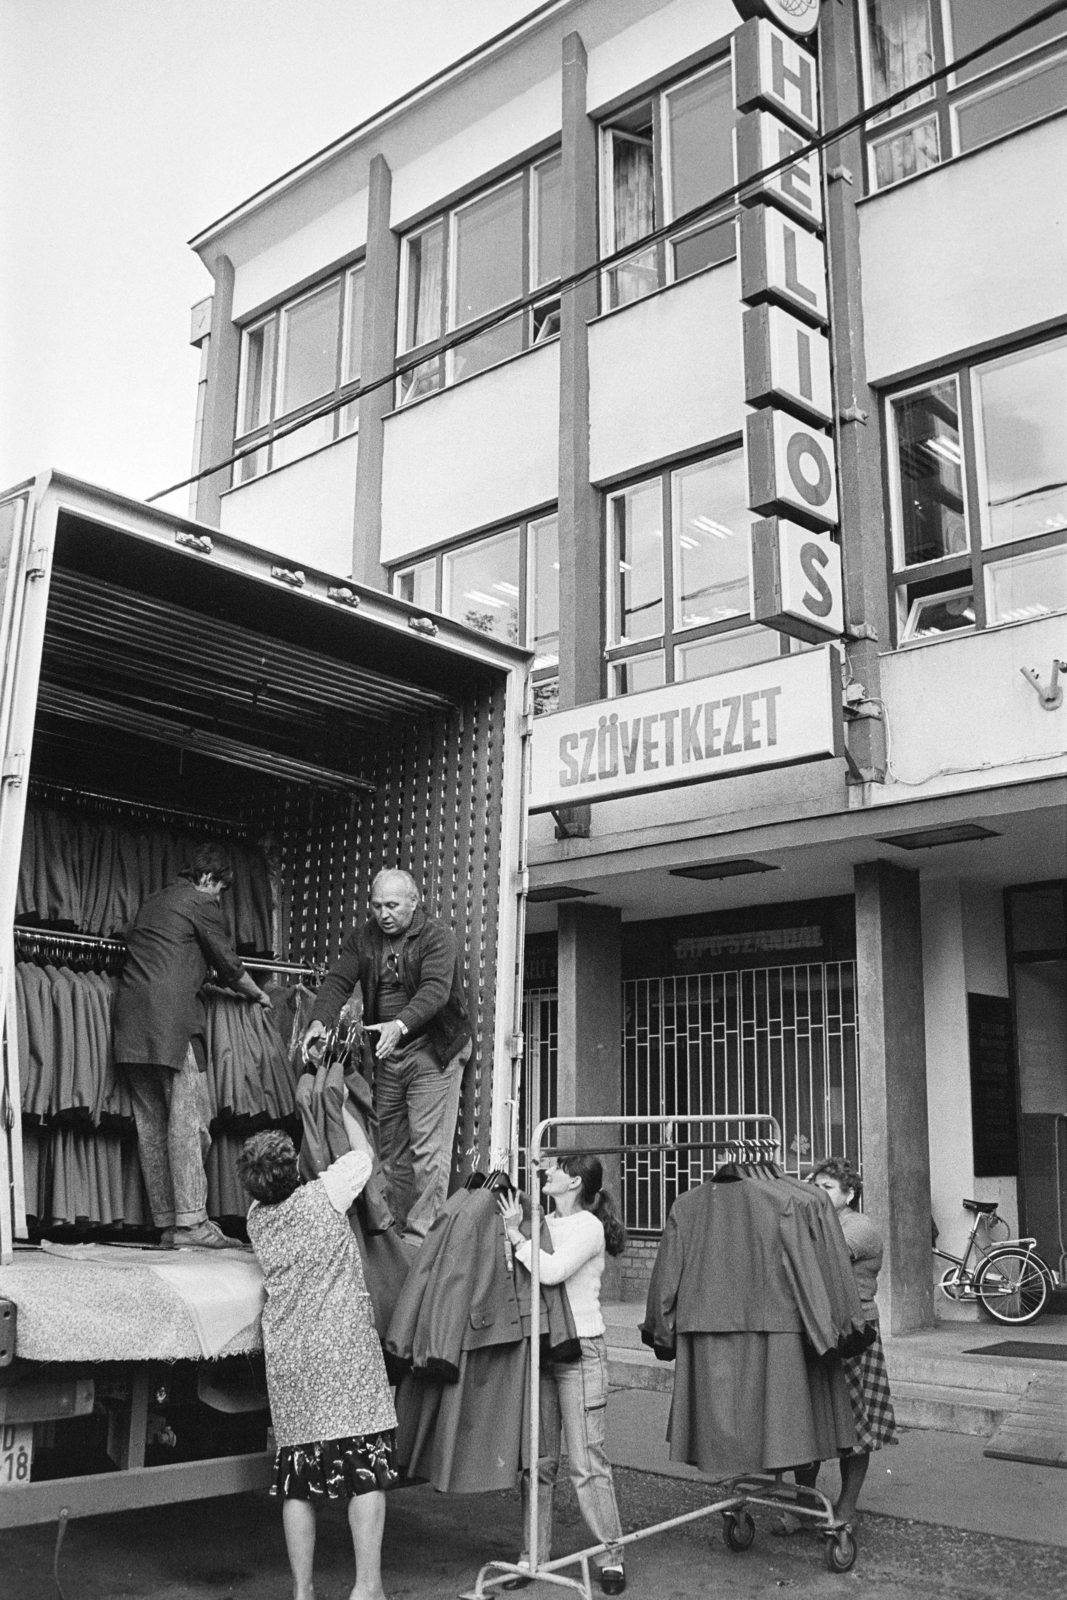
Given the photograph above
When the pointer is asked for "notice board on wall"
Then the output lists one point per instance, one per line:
(993, 1102)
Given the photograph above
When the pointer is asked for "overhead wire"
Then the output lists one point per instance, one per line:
(722, 207)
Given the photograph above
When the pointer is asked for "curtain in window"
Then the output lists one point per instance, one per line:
(902, 49)
(634, 189)
(425, 265)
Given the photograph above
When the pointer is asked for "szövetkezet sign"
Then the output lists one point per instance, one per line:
(773, 714)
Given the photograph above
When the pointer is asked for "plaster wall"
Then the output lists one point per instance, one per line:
(961, 714)
(503, 135)
(302, 511)
(954, 287)
(963, 952)
(300, 255)
(653, 44)
(476, 454)
(665, 374)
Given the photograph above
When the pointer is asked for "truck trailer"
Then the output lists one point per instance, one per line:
(161, 675)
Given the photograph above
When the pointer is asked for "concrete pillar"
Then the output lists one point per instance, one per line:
(893, 1098)
(376, 361)
(220, 396)
(857, 428)
(589, 1063)
(581, 553)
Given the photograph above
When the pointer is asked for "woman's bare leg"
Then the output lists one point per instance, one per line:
(853, 1471)
(298, 1520)
(366, 1518)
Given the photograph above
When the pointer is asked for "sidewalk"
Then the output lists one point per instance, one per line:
(932, 1476)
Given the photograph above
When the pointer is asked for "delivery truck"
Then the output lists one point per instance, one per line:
(164, 682)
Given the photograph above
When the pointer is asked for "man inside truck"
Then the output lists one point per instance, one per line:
(405, 963)
(178, 936)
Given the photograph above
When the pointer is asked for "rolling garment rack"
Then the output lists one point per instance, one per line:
(759, 1141)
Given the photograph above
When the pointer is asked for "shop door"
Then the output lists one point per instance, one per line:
(1038, 930)
(777, 1040)
(538, 1090)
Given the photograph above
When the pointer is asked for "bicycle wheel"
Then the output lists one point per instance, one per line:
(1012, 1285)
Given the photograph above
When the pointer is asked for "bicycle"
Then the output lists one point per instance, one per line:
(1010, 1279)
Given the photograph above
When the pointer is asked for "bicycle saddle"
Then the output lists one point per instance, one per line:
(981, 1206)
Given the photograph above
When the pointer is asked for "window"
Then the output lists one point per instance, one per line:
(660, 160)
(497, 247)
(1010, 87)
(506, 585)
(979, 487)
(292, 360)
(678, 565)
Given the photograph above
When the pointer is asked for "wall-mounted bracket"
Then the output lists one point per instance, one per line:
(1052, 697)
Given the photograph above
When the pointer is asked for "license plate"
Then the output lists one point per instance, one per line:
(16, 1454)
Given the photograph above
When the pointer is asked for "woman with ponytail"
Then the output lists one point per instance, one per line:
(584, 1227)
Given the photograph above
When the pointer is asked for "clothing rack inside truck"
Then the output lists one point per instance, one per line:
(752, 1147)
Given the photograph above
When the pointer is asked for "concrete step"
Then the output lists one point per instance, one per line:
(1008, 1376)
(949, 1407)
(1035, 1430)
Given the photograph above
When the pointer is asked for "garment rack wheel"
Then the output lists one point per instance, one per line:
(738, 1530)
(839, 1549)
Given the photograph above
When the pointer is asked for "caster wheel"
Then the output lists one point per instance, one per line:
(840, 1551)
(738, 1532)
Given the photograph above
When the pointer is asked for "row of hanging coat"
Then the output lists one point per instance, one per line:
(463, 1325)
(92, 873)
(79, 1140)
(752, 1296)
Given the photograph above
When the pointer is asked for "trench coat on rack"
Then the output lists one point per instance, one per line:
(322, 1098)
(753, 1298)
(465, 1321)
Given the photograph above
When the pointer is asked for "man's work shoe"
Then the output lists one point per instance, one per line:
(612, 1580)
(203, 1236)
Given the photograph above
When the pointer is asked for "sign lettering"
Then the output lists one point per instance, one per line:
(790, 458)
(770, 714)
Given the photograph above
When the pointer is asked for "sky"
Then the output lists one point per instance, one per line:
(126, 126)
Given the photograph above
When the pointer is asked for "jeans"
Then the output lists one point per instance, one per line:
(575, 1394)
(172, 1114)
(417, 1103)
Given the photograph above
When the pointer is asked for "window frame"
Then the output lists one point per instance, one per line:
(673, 635)
(943, 99)
(968, 566)
(341, 422)
(436, 350)
(524, 526)
(665, 270)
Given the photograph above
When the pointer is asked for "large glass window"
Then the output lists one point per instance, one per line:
(979, 480)
(293, 361)
(661, 159)
(678, 577)
(495, 248)
(505, 584)
(1008, 87)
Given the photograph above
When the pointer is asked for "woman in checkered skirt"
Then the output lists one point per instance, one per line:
(866, 1375)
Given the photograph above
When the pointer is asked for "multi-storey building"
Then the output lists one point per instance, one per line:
(489, 351)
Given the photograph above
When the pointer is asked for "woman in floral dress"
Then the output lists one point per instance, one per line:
(333, 1417)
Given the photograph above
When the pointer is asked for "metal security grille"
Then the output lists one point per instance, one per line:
(538, 1092)
(777, 1040)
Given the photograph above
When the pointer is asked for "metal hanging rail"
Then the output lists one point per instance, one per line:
(27, 936)
(737, 1493)
(47, 792)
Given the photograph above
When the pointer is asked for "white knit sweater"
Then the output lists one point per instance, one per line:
(577, 1260)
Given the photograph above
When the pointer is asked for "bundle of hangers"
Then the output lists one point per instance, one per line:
(103, 954)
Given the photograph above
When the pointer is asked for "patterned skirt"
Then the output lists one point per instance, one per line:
(872, 1404)
(336, 1469)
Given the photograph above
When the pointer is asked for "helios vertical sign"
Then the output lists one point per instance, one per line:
(789, 449)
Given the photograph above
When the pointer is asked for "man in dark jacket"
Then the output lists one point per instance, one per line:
(178, 936)
(405, 964)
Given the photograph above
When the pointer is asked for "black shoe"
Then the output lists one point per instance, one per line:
(517, 1582)
(612, 1580)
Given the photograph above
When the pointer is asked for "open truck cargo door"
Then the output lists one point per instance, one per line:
(149, 658)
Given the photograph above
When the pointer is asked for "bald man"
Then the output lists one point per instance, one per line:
(413, 1003)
